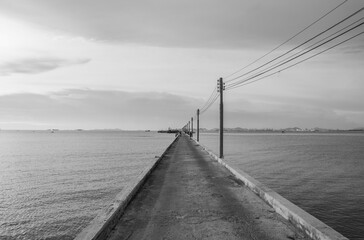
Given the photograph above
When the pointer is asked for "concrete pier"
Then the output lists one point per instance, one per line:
(191, 196)
(190, 193)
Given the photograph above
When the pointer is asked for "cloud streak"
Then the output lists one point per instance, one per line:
(37, 65)
(89, 109)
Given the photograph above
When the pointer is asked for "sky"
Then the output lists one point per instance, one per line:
(137, 65)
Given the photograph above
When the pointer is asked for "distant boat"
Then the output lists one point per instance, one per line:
(147, 130)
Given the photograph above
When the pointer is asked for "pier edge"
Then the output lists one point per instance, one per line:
(313, 227)
(104, 222)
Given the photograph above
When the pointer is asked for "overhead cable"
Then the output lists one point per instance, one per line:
(272, 68)
(210, 104)
(300, 45)
(313, 45)
(292, 65)
(209, 99)
(304, 29)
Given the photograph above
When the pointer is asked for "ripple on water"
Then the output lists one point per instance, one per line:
(53, 185)
(321, 173)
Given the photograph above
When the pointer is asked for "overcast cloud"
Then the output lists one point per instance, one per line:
(37, 65)
(114, 109)
(155, 62)
(88, 109)
(204, 23)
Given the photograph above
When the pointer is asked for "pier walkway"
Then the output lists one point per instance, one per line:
(191, 196)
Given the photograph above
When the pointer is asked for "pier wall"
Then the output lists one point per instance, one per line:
(313, 227)
(104, 222)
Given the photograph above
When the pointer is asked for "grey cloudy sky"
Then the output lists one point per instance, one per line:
(112, 64)
(204, 23)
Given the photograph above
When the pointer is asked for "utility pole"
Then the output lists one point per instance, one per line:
(198, 125)
(191, 127)
(220, 89)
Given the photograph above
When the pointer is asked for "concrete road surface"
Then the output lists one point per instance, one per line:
(191, 196)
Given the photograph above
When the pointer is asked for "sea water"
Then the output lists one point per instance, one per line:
(321, 173)
(53, 184)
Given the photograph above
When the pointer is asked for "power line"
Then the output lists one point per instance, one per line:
(314, 44)
(300, 45)
(282, 63)
(310, 25)
(271, 68)
(214, 95)
(292, 65)
(210, 104)
(209, 99)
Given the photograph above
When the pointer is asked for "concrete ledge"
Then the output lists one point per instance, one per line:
(313, 227)
(105, 221)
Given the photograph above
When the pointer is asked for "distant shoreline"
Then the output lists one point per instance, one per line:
(202, 130)
(229, 130)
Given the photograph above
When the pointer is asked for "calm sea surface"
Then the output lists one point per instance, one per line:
(53, 184)
(321, 173)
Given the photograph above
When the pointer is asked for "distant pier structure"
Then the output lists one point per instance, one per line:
(170, 130)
